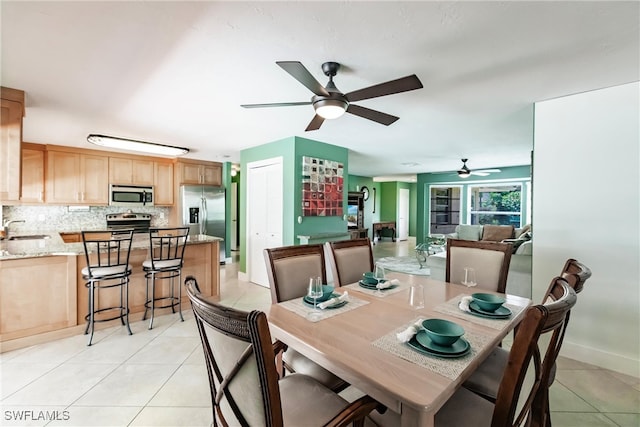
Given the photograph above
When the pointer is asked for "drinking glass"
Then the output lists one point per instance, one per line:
(314, 292)
(469, 278)
(379, 274)
(416, 297)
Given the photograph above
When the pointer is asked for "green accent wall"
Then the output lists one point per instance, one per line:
(508, 174)
(291, 150)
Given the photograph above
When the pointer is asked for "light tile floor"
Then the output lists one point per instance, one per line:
(158, 378)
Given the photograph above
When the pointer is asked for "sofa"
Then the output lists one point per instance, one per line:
(519, 277)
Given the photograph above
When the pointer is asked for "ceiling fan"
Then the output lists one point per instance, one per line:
(329, 103)
(465, 172)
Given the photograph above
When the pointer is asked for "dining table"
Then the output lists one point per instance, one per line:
(358, 341)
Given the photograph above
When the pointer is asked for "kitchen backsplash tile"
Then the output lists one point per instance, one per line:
(60, 218)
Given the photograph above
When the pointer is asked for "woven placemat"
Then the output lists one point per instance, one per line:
(300, 308)
(385, 292)
(451, 308)
(449, 367)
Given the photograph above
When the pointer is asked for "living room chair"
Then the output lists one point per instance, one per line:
(349, 259)
(244, 383)
(289, 269)
(485, 380)
(466, 408)
(489, 259)
(107, 257)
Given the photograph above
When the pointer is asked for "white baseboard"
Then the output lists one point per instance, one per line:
(603, 359)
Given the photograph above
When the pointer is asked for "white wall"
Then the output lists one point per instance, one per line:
(586, 199)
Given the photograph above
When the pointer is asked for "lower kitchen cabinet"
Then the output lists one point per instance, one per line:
(44, 298)
(200, 261)
(37, 295)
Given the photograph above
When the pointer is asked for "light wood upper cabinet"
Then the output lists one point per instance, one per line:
(32, 173)
(163, 183)
(12, 111)
(77, 178)
(200, 173)
(131, 171)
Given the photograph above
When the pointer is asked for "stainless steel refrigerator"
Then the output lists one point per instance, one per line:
(203, 210)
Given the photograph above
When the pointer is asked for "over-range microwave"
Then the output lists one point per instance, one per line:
(130, 195)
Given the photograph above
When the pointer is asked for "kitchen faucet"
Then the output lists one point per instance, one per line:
(5, 226)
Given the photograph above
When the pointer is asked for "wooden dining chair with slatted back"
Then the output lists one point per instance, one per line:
(245, 387)
(349, 259)
(289, 269)
(579, 271)
(490, 260)
(465, 408)
(485, 380)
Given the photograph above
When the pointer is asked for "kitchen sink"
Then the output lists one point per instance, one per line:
(30, 237)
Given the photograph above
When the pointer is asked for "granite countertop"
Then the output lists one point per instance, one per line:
(54, 245)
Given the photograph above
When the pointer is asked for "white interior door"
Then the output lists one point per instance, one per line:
(403, 214)
(264, 215)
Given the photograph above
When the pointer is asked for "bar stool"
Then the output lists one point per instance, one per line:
(107, 256)
(166, 254)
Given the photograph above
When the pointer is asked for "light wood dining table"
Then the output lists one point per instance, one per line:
(344, 344)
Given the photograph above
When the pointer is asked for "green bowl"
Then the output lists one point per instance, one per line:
(488, 302)
(327, 291)
(368, 274)
(443, 332)
(372, 281)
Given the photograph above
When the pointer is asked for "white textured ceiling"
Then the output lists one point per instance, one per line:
(177, 72)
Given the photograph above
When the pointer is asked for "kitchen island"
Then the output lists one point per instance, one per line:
(43, 295)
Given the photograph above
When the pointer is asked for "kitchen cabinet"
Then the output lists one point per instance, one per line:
(130, 171)
(208, 173)
(37, 295)
(12, 111)
(77, 178)
(163, 183)
(32, 173)
(200, 260)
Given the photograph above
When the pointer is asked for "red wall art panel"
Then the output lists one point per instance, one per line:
(322, 182)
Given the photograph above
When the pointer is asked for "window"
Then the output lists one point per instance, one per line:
(497, 204)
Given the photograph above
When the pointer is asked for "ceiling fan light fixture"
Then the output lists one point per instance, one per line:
(463, 174)
(330, 108)
(133, 145)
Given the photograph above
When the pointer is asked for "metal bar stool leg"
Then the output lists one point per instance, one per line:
(126, 308)
(91, 319)
(153, 298)
(180, 294)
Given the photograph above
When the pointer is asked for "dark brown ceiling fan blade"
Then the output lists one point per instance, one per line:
(403, 84)
(301, 74)
(277, 104)
(315, 123)
(368, 113)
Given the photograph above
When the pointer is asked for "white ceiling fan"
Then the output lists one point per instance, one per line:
(465, 172)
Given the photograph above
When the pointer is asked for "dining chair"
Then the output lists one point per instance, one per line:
(349, 259)
(107, 266)
(489, 259)
(243, 380)
(465, 408)
(485, 380)
(289, 269)
(577, 270)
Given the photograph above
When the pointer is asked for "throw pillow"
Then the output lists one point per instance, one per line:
(469, 232)
(497, 233)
